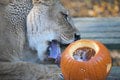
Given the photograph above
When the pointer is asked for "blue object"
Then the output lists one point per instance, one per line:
(54, 50)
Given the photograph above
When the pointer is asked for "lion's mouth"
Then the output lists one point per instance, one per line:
(54, 51)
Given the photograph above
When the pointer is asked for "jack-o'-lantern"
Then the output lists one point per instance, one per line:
(85, 60)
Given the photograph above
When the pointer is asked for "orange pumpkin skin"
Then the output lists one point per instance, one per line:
(97, 68)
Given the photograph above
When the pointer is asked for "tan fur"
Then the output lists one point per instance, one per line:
(12, 29)
(5, 2)
(13, 40)
(45, 22)
(26, 71)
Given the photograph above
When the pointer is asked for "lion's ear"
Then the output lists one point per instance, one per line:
(5, 2)
(36, 1)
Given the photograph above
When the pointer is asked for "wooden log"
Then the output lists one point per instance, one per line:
(105, 30)
(114, 74)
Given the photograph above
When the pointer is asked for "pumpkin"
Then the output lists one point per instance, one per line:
(93, 61)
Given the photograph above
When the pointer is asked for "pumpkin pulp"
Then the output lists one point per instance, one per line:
(83, 54)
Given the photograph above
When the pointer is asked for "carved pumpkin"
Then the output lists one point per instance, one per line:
(85, 60)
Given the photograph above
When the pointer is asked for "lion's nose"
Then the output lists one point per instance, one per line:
(77, 37)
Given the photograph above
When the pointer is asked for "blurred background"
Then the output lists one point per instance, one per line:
(93, 8)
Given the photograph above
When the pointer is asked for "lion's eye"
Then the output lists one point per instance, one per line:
(46, 0)
(64, 15)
